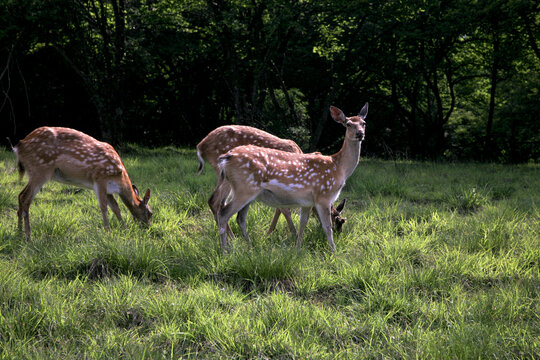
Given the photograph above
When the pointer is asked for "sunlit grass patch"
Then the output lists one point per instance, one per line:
(260, 267)
(468, 200)
(8, 198)
(425, 267)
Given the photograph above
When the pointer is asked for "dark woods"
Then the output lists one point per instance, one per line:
(446, 79)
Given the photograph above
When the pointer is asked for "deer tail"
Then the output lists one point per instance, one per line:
(20, 165)
(201, 162)
(222, 162)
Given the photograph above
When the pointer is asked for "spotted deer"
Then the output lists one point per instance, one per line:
(284, 179)
(72, 157)
(225, 138)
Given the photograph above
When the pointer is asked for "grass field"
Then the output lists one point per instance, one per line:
(435, 261)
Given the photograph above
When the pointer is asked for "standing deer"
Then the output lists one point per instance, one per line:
(225, 138)
(284, 179)
(72, 157)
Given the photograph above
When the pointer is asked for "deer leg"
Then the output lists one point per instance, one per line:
(225, 213)
(304, 216)
(101, 194)
(287, 213)
(274, 222)
(217, 200)
(25, 199)
(241, 218)
(316, 214)
(115, 209)
(21, 212)
(326, 223)
(214, 202)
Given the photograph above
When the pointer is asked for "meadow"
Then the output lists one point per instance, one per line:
(436, 260)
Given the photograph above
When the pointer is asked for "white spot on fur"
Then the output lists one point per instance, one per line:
(288, 187)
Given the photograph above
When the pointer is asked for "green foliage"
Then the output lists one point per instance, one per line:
(445, 79)
(435, 260)
(280, 119)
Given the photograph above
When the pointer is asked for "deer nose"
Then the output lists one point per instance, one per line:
(360, 135)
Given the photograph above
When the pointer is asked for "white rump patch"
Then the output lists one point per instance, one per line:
(221, 165)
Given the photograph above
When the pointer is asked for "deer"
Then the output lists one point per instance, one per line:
(224, 138)
(71, 157)
(284, 179)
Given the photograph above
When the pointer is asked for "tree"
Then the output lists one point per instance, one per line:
(445, 79)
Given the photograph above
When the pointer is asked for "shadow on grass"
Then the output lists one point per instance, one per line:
(263, 268)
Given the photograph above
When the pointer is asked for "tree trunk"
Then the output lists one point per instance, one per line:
(494, 70)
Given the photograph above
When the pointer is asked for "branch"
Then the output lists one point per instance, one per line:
(530, 35)
(5, 72)
(283, 87)
(73, 66)
(470, 77)
(7, 99)
(7, 64)
(449, 74)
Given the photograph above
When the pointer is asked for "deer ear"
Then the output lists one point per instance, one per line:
(364, 111)
(146, 196)
(341, 205)
(338, 115)
(135, 190)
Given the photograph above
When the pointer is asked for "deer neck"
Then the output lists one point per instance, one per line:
(130, 200)
(348, 157)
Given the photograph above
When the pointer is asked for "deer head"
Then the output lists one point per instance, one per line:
(337, 219)
(141, 211)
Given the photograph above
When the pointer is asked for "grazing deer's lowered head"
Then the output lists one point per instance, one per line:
(72, 157)
(337, 219)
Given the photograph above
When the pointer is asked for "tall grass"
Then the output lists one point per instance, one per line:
(435, 261)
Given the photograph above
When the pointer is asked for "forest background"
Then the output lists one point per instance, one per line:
(455, 80)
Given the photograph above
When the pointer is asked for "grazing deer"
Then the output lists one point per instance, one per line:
(72, 157)
(225, 138)
(284, 179)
